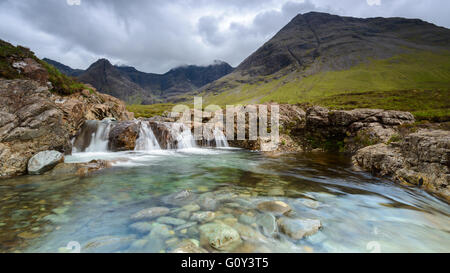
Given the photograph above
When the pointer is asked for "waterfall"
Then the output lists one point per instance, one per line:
(220, 138)
(93, 137)
(183, 136)
(100, 138)
(147, 140)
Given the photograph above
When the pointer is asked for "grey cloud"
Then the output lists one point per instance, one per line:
(158, 35)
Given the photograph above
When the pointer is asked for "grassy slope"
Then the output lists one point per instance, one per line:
(417, 82)
(61, 83)
(148, 111)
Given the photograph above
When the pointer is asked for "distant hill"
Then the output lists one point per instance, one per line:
(345, 62)
(64, 68)
(110, 80)
(133, 86)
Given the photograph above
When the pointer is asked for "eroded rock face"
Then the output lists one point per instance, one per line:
(421, 159)
(90, 105)
(123, 136)
(317, 127)
(32, 119)
(29, 123)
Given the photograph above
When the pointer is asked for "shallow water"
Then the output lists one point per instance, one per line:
(359, 213)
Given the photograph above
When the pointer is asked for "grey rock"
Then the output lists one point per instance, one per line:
(170, 221)
(219, 236)
(298, 228)
(150, 213)
(44, 161)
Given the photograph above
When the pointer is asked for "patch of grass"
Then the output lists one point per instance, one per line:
(61, 83)
(148, 111)
(418, 82)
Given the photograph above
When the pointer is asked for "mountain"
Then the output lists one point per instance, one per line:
(341, 61)
(64, 68)
(133, 86)
(108, 79)
(172, 85)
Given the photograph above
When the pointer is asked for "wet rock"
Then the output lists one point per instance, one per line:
(123, 136)
(185, 226)
(268, 223)
(57, 218)
(204, 216)
(274, 207)
(248, 233)
(246, 219)
(219, 236)
(311, 203)
(419, 159)
(298, 228)
(141, 227)
(108, 244)
(150, 213)
(276, 192)
(207, 202)
(191, 207)
(44, 161)
(184, 215)
(170, 221)
(187, 246)
(181, 198)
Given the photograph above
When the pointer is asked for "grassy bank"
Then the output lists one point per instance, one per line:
(148, 111)
(417, 82)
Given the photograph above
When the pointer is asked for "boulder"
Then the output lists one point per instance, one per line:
(123, 136)
(219, 236)
(418, 159)
(44, 161)
(274, 207)
(298, 228)
(150, 213)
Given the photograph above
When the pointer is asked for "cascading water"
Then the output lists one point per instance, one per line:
(183, 136)
(94, 137)
(220, 138)
(147, 140)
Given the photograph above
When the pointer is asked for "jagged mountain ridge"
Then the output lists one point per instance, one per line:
(304, 60)
(133, 86)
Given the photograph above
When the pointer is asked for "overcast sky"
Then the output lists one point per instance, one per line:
(157, 35)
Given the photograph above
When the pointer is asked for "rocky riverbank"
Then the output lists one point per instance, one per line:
(33, 119)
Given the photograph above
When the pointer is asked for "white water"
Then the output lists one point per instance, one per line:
(183, 135)
(221, 140)
(147, 140)
(99, 140)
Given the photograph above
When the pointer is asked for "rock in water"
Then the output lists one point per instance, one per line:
(171, 221)
(219, 236)
(150, 213)
(181, 198)
(141, 227)
(274, 207)
(44, 161)
(298, 228)
(187, 246)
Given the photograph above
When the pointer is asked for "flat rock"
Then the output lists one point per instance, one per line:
(170, 221)
(219, 236)
(44, 161)
(141, 227)
(298, 228)
(150, 213)
(274, 207)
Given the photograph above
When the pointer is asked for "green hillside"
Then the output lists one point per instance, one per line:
(418, 82)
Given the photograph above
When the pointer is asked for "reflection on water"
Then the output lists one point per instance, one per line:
(357, 211)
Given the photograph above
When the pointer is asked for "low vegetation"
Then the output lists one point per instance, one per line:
(148, 111)
(61, 83)
(417, 82)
